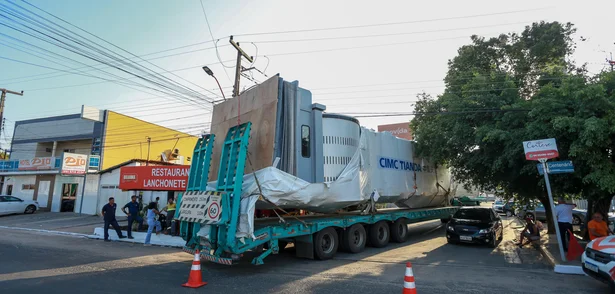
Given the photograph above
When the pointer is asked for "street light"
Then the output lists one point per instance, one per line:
(211, 73)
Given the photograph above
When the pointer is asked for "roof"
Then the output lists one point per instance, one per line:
(133, 161)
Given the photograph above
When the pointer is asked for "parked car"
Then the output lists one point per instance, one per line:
(498, 205)
(509, 209)
(597, 260)
(464, 201)
(479, 225)
(12, 204)
(578, 215)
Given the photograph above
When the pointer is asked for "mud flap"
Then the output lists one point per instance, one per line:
(304, 246)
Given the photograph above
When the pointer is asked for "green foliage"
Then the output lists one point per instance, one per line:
(514, 88)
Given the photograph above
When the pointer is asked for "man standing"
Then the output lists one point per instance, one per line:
(133, 215)
(563, 211)
(170, 214)
(108, 212)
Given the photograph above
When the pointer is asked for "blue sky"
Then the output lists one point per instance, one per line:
(389, 69)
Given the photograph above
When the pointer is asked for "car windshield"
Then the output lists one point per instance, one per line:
(499, 202)
(473, 214)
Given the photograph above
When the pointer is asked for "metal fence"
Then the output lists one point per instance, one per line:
(582, 204)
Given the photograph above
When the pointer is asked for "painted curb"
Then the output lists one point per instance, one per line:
(45, 231)
(139, 238)
(569, 270)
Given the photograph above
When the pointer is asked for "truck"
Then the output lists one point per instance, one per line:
(322, 190)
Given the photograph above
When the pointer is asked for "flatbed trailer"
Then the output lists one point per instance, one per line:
(317, 236)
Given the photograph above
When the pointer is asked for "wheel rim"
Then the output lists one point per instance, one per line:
(29, 209)
(508, 213)
(576, 221)
(327, 243)
(357, 238)
(382, 234)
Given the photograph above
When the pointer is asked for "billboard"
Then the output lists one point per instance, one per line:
(154, 178)
(37, 163)
(74, 164)
(399, 130)
(540, 149)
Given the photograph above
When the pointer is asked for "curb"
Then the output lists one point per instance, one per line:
(45, 231)
(547, 255)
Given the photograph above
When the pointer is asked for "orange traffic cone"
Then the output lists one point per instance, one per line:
(409, 286)
(195, 280)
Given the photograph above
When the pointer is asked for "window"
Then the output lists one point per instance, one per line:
(9, 190)
(305, 141)
(27, 187)
(48, 150)
(69, 150)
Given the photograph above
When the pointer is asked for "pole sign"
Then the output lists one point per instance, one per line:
(74, 164)
(154, 178)
(540, 149)
(557, 167)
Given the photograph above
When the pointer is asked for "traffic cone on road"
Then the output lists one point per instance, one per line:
(409, 286)
(195, 280)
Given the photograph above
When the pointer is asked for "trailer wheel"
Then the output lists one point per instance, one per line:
(326, 243)
(354, 239)
(399, 231)
(379, 234)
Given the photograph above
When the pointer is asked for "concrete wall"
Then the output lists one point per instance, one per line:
(26, 151)
(53, 127)
(18, 182)
(125, 139)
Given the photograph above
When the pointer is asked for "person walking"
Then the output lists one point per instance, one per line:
(152, 222)
(108, 212)
(563, 211)
(598, 227)
(133, 215)
(170, 209)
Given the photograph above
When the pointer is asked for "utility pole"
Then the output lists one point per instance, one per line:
(149, 140)
(611, 62)
(2, 98)
(238, 68)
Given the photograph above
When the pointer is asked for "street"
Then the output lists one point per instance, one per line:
(40, 262)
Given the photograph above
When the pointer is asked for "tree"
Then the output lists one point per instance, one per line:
(513, 88)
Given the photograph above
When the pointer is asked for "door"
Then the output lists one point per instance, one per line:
(43, 192)
(3, 205)
(13, 204)
(9, 190)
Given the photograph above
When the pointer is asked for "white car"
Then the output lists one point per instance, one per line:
(598, 260)
(12, 204)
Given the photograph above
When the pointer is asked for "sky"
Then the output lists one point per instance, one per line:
(356, 57)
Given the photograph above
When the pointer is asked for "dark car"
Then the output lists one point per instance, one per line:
(479, 225)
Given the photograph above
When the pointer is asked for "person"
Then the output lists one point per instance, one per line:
(563, 211)
(157, 201)
(152, 222)
(531, 232)
(133, 215)
(598, 227)
(170, 208)
(108, 212)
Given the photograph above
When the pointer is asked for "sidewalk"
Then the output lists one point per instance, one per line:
(73, 224)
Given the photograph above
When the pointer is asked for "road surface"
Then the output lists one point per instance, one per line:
(32, 262)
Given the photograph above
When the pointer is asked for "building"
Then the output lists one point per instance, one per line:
(50, 156)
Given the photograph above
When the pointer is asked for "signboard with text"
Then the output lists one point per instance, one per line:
(74, 164)
(37, 163)
(399, 130)
(557, 167)
(201, 207)
(540, 149)
(154, 177)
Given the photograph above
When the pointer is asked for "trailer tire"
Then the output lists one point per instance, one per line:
(326, 243)
(354, 239)
(399, 231)
(379, 234)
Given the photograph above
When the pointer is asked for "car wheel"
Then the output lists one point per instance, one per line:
(449, 241)
(501, 235)
(30, 209)
(509, 213)
(379, 234)
(326, 243)
(576, 220)
(493, 242)
(354, 239)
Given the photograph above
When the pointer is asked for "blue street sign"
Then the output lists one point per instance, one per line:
(557, 167)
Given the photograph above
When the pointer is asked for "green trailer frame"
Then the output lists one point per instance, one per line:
(304, 231)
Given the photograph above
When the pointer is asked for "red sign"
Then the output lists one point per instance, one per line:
(154, 178)
(399, 130)
(540, 149)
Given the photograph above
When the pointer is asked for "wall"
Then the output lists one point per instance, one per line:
(125, 139)
(17, 182)
(90, 201)
(57, 190)
(109, 187)
(69, 127)
(26, 151)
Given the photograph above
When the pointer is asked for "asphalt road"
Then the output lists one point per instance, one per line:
(33, 262)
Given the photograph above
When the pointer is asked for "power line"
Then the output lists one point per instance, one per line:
(391, 23)
(224, 66)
